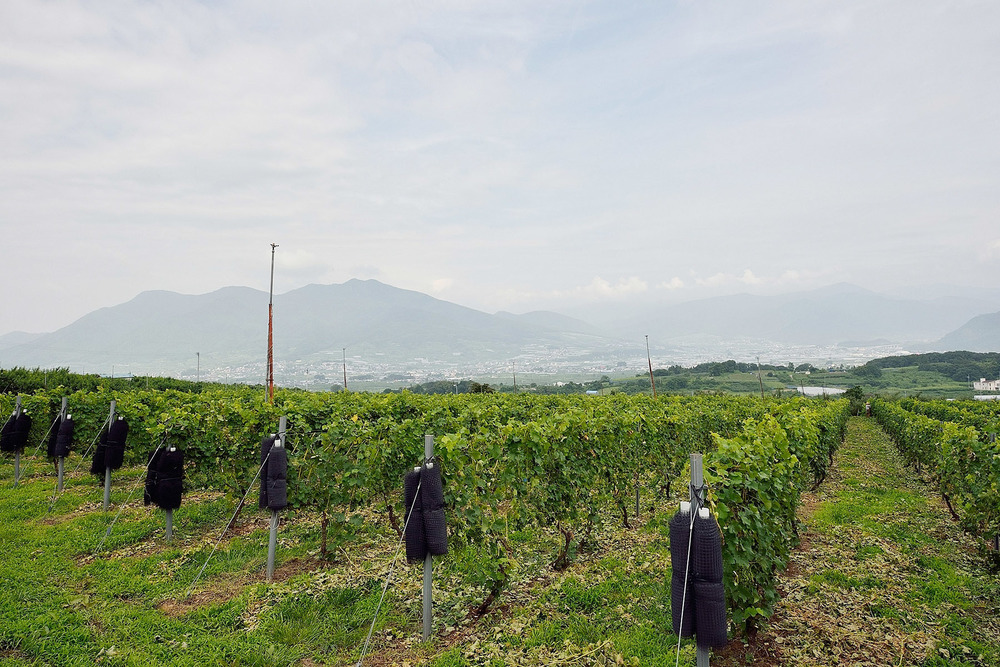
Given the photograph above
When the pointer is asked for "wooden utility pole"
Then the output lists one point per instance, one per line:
(270, 332)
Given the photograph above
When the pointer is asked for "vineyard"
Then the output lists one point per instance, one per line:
(955, 443)
(531, 485)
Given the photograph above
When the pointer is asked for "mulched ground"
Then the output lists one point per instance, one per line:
(856, 589)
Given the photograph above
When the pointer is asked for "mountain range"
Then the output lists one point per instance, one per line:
(161, 332)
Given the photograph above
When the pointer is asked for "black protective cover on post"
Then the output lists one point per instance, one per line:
(710, 613)
(432, 503)
(7, 436)
(152, 475)
(680, 528)
(53, 438)
(706, 584)
(64, 437)
(265, 448)
(706, 556)
(170, 479)
(99, 462)
(21, 429)
(115, 446)
(277, 475)
(413, 518)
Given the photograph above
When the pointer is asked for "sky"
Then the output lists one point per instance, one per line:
(501, 155)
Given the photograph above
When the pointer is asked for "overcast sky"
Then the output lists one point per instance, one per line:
(502, 155)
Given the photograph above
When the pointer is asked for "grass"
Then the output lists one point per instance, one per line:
(883, 576)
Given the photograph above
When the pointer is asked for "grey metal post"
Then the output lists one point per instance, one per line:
(61, 461)
(107, 469)
(272, 542)
(428, 563)
(697, 481)
(17, 453)
(170, 525)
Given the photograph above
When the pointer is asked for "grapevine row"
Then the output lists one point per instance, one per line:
(509, 462)
(961, 459)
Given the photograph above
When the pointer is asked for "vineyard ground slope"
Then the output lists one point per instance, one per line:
(883, 575)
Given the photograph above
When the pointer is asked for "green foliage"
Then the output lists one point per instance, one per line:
(956, 446)
(755, 481)
(510, 462)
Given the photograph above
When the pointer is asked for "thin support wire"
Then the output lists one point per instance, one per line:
(92, 443)
(128, 499)
(687, 568)
(55, 497)
(388, 577)
(27, 465)
(226, 529)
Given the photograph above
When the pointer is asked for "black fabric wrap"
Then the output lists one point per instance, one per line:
(100, 460)
(117, 435)
(64, 439)
(680, 528)
(265, 448)
(277, 479)
(21, 429)
(54, 437)
(416, 547)
(432, 503)
(706, 552)
(170, 479)
(680, 525)
(7, 434)
(706, 594)
(149, 492)
(710, 613)
(677, 602)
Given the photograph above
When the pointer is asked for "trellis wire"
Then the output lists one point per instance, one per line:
(388, 577)
(55, 498)
(27, 465)
(239, 506)
(687, 568)
(92, 443)
(128, 499)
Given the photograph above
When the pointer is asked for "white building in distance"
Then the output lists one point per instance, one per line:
(986, 385)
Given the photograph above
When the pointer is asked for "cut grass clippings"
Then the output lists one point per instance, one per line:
(882, 577)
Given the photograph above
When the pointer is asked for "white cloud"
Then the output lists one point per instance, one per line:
(439, 285)
(715, 280)
(672, 284)
(603, 289)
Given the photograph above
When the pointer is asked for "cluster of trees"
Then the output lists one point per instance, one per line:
(717, 368)
(959, 366)
(447, 387)
(30, 380)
